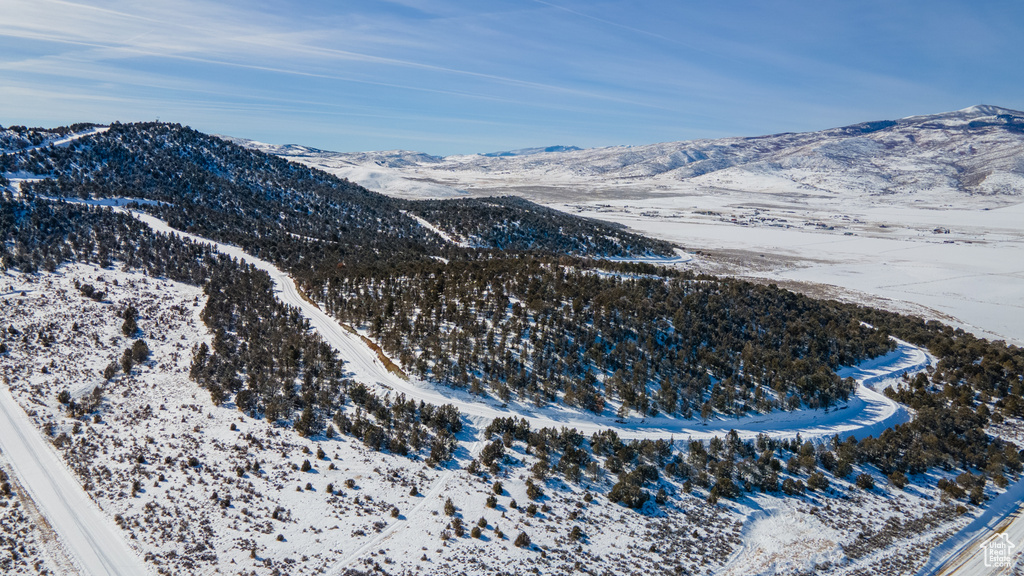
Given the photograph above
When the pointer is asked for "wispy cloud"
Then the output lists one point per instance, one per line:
(517, 73)
(662, 37)
(234, 42)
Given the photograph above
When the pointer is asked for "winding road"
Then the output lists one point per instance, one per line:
(98, 546)
(866, 413)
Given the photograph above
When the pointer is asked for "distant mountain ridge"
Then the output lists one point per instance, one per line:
(530, 151)
(976, 151)
(386, 158)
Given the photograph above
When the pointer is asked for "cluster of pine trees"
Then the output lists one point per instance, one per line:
(512, 223)
(263, 357)
(557, 329)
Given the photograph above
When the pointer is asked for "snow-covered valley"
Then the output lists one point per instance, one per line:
(959, 265)
(920, 215)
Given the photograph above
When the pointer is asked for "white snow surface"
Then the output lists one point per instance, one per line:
(905, 359)
(444, 235)
(92, 539)
(785, 542)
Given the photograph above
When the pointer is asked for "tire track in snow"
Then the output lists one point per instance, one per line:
(434, 491)
(444, 235)
(62, 141)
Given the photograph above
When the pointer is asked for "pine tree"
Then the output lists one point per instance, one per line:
(130, 326)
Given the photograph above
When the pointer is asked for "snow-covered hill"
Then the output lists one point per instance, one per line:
(199, 488)
(974, 151)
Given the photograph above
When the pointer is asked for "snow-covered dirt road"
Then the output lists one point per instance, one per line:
(93, 541)
(63, 140)
(866, 413)
(967, 553)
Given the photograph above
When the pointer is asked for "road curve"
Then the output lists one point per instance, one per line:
(866, 413)
(96, 545)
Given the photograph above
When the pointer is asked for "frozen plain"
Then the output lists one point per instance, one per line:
(971, 277)
(920, 215)
(874, 250)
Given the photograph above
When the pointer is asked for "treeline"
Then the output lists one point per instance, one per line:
(546, 329)
(512, 223)
(263, 357)
(14, 138)
(275, 209)
(42, 235)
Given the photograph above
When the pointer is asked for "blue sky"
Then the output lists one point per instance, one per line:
(465, 76)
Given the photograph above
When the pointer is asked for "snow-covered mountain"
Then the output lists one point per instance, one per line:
(974, 151)
(962, 149)
(386, 158)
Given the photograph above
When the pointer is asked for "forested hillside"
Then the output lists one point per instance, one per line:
(525, 314)
(551, 330)
(700, 350)
(511, 223)
(263, 357)
(271, 206)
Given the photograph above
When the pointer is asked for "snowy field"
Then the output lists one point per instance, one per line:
(972, 276)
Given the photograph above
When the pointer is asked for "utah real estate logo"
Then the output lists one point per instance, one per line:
(998, 551)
